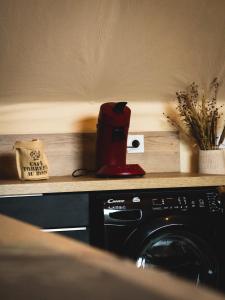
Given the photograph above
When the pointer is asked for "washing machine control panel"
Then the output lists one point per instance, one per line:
(164, 202)
(177, 200)
(187, 201)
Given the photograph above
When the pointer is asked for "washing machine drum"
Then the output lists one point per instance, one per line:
(177, 251)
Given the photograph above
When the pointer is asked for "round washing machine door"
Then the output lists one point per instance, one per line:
(177, 250)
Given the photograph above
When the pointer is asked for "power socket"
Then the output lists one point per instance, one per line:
(132, 143)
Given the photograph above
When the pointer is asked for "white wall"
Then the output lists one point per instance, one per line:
(60, 59)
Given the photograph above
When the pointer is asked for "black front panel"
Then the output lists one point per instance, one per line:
(139, 204)
(49, 211)
(177, 230)
(181, 253)
(125, 211)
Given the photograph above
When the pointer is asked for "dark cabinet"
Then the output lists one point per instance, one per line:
(63, 213)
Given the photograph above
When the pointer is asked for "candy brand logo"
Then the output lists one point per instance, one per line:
(115, 201)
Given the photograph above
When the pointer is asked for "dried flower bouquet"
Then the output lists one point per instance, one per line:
(198, 116)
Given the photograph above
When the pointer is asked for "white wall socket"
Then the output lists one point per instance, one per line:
(140, 139)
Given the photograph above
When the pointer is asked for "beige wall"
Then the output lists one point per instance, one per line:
(60, 59)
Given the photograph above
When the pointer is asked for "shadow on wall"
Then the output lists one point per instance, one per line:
(194, 159)
(86, 124)
(87, 129)
(184, 139)
(8, 166)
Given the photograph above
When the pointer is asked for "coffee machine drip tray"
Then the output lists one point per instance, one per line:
(120, 171)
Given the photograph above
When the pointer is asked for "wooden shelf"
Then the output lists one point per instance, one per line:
(91, 183)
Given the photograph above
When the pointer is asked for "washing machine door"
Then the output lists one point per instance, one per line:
(176, 249)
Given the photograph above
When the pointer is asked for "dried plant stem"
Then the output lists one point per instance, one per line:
(199, 116)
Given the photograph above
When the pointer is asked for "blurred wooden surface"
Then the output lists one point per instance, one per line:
(36, 265)
(70, 151)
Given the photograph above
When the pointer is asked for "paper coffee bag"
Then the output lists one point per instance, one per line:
(31, 160)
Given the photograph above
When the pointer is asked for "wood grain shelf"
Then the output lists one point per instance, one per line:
(60, 184)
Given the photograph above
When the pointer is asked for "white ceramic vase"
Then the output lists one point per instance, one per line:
(211, 161)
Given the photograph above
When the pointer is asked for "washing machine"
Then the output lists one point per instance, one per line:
(179, 230)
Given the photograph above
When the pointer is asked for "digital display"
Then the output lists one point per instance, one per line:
(170, 201)
(157, 202)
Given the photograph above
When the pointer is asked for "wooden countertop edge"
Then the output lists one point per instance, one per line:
(92, 183)
(18, 238)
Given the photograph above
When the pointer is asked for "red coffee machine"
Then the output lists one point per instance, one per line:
(111, 147)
